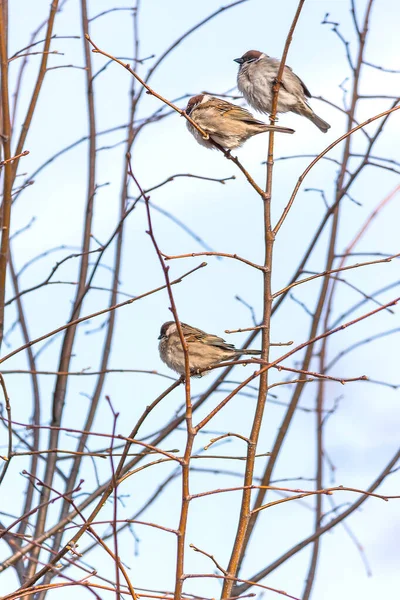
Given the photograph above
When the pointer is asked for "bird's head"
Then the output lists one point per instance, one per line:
(249, 57)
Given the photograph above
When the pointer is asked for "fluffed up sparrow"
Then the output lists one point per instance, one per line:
(225, 123)
(204, 349)
(256, 77)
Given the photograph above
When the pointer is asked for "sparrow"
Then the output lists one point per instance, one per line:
(204, 349)
(225, 123)
(256, 77)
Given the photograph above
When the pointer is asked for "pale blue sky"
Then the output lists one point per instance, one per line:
(362, 436)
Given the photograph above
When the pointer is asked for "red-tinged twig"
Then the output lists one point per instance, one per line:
(210, 556)
(104, 490)
(340, 191)
(306, 344)
(25, 516)
(222, 180)
(341, 380)
(7, 458)
(226, 435)
(269, 238)
(327, 491)
(31, 590)
(83, 372)
(321, 155)
(156, 494)
(8, 160)
(321, 396)
(115, 501)
(182, 112)
(222, 254)
(279, 367)
(35, 53)
(237, 580)
(99, 540)
(290, 382)
(134, 521)
(91, 586)
(53, 37)
(117, 233)
(323, 529)
(365, 227)
(96, 314)
(105, 493)
(71, 453)
(190, 431)
(298, 493)
(257, 328)
(150, 91)
(338, 270)
(130, 440)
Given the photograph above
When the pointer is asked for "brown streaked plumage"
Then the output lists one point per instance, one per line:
(225, 123)
(205, 349)
(256, 78)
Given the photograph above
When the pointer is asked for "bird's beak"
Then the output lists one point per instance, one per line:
(238, 60)
(159, 337)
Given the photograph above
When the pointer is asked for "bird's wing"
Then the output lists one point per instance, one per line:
(303, 85)
(214, 340)
(238, 113)
(225, 108)
(192, 334)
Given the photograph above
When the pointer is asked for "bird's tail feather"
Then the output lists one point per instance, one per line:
(249, 351)
(306, 111)
(320, 123)
(277, 129)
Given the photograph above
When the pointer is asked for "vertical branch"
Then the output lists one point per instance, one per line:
(319, 478)
(190, 433)
(69, 337)
(7, 181)
(269, 238)
(339, 193)
(77, 461)
(190, 430)
(24, 63)
(104, 492)
(9, 429)
(115, 501)
(38, 86)
(36, 403)
(320, 398)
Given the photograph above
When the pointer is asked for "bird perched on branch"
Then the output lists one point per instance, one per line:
(225, 123)
(204, 349)
(256, 78)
